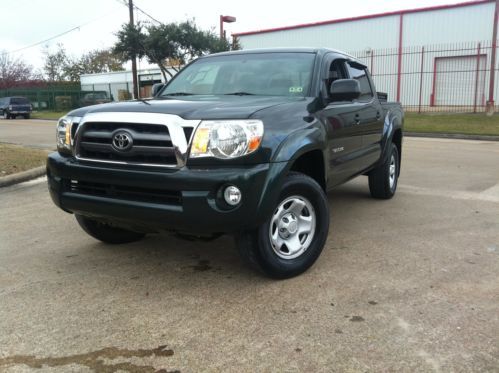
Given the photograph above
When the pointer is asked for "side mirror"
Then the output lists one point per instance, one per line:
(344, 90)
(156, 88)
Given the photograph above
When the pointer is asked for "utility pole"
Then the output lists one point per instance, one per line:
(135, 89)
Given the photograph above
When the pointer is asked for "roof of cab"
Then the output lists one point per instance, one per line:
(283, 50)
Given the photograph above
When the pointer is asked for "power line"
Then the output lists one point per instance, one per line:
(55, 36)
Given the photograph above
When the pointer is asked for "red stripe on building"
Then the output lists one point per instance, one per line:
(370, 16)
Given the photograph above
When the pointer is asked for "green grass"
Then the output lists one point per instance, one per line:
(55, 115)
(15, 158)
(468, 124)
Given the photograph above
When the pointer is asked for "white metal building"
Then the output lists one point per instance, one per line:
(430, 57)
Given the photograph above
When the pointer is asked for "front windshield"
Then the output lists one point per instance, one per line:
(267, 74)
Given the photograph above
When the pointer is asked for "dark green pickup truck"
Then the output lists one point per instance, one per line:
(245, 143)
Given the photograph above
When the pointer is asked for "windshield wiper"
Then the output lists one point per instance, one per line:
(239, 94)
(179, 94)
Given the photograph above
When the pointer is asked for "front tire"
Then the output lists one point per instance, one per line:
(292, 238)
(107, 233)
(384, 179)
(5, 114)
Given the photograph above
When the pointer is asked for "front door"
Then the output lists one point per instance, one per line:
(342, 123)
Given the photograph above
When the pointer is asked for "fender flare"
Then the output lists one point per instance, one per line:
(290, 149)
(391, 124)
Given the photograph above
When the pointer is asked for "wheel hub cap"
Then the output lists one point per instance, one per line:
(287, 225)
(292, 227)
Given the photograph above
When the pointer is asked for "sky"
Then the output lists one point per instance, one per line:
(26, 22)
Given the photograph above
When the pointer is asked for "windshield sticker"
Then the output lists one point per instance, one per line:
(295, 89)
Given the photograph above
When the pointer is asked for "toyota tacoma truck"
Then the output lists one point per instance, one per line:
(246, 143)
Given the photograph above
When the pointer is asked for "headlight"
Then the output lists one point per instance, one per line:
(226, 138)
(63, 134)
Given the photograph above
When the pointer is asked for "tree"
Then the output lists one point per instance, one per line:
(131, 39)
(61, 67)
(167, 45)
(15, 72)
(100, 61)
(55, 63)
(236, 45)
(93, 62)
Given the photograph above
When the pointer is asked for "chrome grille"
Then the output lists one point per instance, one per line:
(157, 139)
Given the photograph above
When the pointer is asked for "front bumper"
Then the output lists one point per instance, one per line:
(197, 209)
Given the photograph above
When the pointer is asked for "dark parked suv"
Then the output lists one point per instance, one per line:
(11, 107)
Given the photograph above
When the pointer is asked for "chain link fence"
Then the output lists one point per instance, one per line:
(67, 97)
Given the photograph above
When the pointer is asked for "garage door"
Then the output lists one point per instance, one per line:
(457, 82)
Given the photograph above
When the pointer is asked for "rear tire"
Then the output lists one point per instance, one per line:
(384, 179)
(292, 238)
(27, 116)
(107, 233)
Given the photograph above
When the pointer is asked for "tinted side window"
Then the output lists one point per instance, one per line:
(336, 71)
(360, 74)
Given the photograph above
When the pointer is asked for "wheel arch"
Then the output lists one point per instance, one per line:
(296, 153)
(392, 133)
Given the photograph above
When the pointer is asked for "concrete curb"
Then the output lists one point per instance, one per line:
(20, 177)
(452, 136)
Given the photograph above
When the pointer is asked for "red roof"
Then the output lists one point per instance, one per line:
(398, 12)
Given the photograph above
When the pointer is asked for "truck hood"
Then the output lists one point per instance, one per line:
(194, 107)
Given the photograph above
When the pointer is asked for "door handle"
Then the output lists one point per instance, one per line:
(357, 119)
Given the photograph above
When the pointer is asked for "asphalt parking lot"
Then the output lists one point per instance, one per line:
(35, 133)
(410, 284)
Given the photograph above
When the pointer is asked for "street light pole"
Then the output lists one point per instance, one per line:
(226, 19)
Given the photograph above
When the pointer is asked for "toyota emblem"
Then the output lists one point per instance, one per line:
(122, 141)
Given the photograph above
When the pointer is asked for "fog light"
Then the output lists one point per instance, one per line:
(232, 195)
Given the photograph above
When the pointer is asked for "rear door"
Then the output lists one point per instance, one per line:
(369, 114)
(340, 120)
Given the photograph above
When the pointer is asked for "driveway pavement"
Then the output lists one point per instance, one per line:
(409, 284)
(34, 133)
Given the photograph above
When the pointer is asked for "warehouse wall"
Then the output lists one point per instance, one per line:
(454, 25)
(450, 25)
(374, 33)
